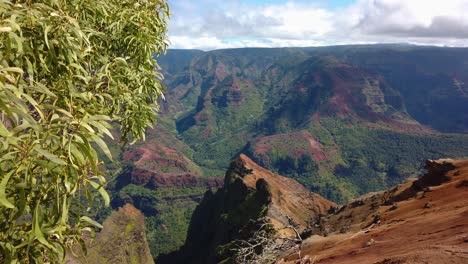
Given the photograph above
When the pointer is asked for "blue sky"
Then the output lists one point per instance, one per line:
(216, 24)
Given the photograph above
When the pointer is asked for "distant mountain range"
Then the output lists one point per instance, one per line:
(343, 121)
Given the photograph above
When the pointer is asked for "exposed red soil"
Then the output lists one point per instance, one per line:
(428, 223)
(344, 88)
(155, 157)
(183, 181)
(412, 127)
(159, 166)
(154, 179)
(302, 143)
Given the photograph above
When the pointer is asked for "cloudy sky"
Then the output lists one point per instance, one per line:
(216, 24)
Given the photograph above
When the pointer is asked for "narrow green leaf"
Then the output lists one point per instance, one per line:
(3, 184)
(46, 37)
(102, 145)
(3, 130)
(90, 221)
(88, 127)
(101, 191)
(5, 29)
(35, 104)
(100, 117)
(87, 151)
(65, 112)
(43, 89)
(12, 69)
(101, 128)
(77, 154)
(30, 70)
(65, 206)
(37, 232)
(51, 157)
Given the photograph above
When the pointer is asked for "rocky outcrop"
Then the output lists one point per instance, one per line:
(437, 174)
(251, 196)
(122, 240)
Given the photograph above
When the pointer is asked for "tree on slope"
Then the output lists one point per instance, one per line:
(69, 70)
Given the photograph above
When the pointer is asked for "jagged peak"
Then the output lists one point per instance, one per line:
(251, 172)
(289, 201)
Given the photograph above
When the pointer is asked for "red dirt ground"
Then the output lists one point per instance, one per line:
(303, 141)
(429, 228)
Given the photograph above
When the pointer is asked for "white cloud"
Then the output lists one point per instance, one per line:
(210, 43)
(416, 18)
(299, 21)
(210, 24)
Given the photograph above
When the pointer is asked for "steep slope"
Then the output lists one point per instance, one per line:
(420, 221)
(325, 86)
(252, 197)
(122, 240)
(431, 80)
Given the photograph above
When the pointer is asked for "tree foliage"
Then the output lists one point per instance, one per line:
(69, 70)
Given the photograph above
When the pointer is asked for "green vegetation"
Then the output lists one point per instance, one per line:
(68, 70)
(167, 213)
(377, 159)
(167, 230)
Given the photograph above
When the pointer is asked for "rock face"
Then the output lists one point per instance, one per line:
(420, 221)
(122, 240)
(250, 194)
